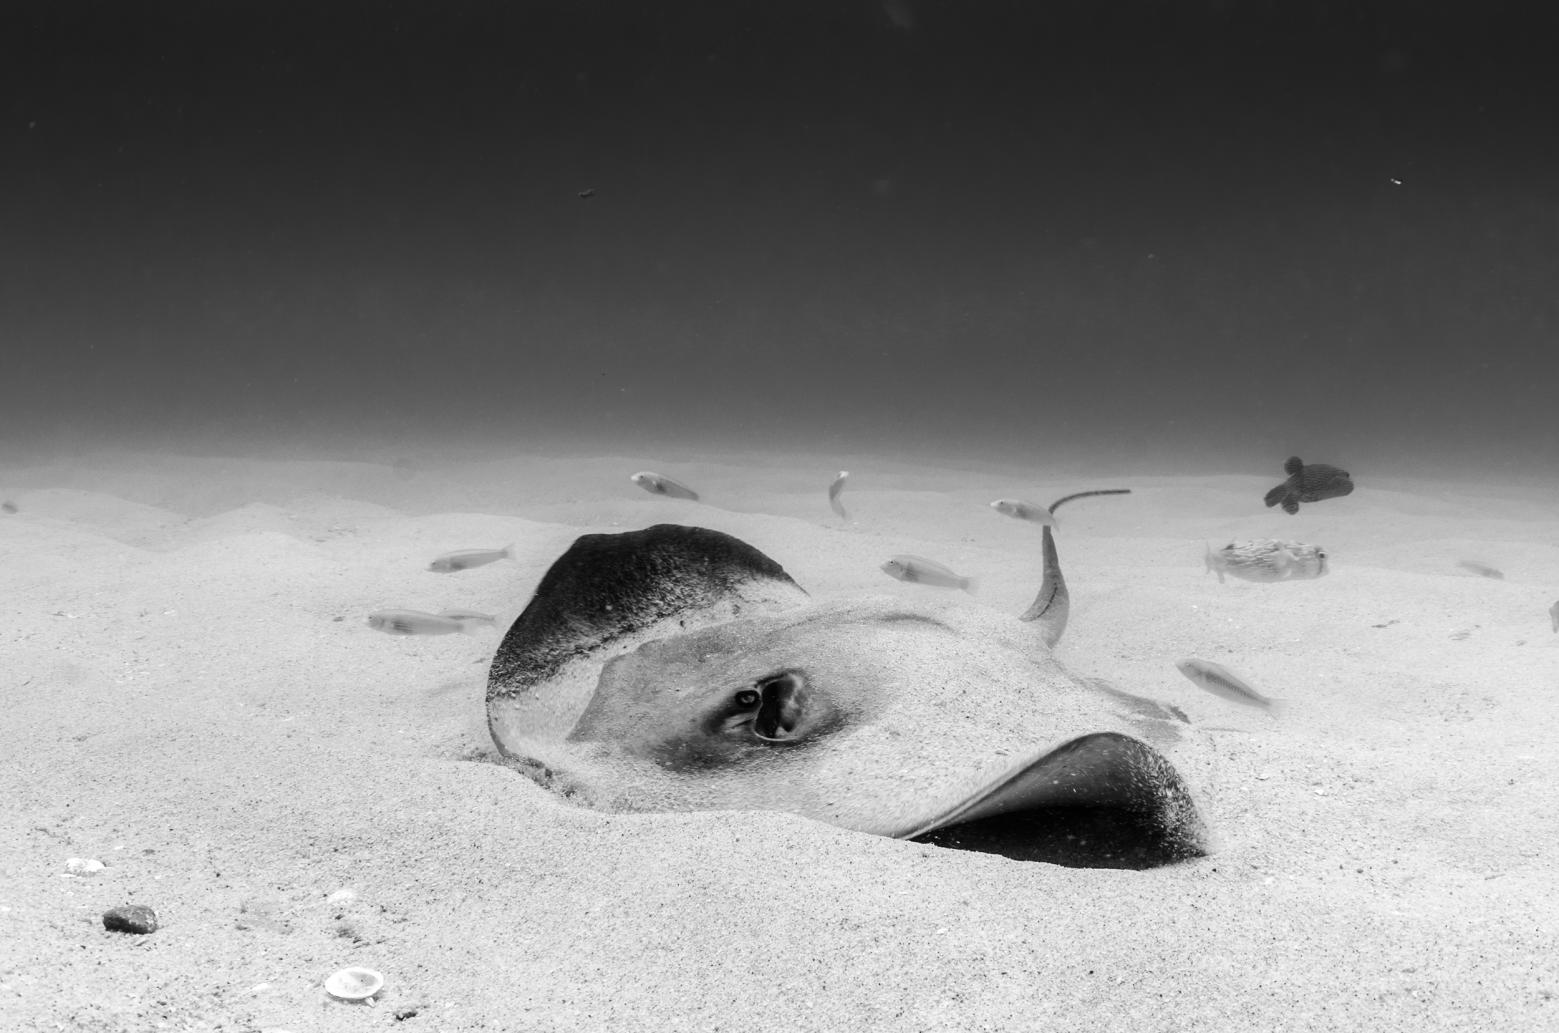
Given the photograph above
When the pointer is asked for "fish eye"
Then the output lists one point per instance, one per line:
(747, 698)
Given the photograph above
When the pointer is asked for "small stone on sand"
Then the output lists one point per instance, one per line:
(131, 918)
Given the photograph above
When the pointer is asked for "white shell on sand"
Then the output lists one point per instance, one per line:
(354, 984)
(83, 866)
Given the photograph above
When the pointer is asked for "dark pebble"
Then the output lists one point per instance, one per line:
(132, 918)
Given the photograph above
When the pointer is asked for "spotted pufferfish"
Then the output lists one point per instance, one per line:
(1267, 559)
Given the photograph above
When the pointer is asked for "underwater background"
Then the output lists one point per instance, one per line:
(1185, 237)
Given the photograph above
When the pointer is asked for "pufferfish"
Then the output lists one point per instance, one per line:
(1267, 559)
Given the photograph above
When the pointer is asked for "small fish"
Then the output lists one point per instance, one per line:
(1308, 484)
(833, 495)
(1553, 615)
(1020, 510)
(587, 193)
(1266, 559)
(415, 622)
(1225, 684)
(465, 559)
(471, 616)
(9, 507)
(918, 570)
(1482, 569)
(655, 484)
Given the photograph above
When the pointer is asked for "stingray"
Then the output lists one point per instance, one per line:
(678, 668)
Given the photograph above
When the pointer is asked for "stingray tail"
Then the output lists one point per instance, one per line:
(1053, 603)
(1058, 503)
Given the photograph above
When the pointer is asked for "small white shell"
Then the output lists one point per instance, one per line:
(83, 866)
(354, 984)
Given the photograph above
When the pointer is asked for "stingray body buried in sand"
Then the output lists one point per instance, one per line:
(678, 668)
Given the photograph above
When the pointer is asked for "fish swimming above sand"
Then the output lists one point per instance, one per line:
(656, 484)
(1311, 483)
(1020, 510)
(465, 559)
(1225, 684)
(833, 495)
(1482, 569)
(1266, 559)
(918, 570)
(416, 622)
(471, 616)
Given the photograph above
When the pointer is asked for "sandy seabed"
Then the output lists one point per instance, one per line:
(191, 696)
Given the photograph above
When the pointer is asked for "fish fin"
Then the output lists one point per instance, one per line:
(971, 585)
(1290, 505)
(1293, 466)
(1277, 707)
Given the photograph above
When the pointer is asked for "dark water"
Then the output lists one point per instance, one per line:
(1207, 235)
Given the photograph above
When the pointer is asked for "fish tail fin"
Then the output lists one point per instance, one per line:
(1277, 707)
(508, 551)
(1211, 562)
(970, 585)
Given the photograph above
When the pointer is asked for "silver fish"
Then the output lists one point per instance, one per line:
(1553, 615)
(1020, 510)
(1266, 559)
(465, 559)
(1225, 684)
(471, 617)
(656, 484)
(1482, 569)
(416, 622)
(833, 495)
(920, 571)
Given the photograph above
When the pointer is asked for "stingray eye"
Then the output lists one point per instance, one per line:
(747, 698)
(784, 700)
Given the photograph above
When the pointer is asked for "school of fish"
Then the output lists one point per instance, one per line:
(1261, 560)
